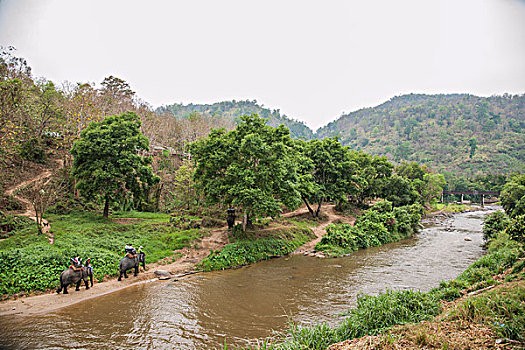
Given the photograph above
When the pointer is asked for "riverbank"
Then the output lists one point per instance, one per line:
(184, 261)
(486, 301)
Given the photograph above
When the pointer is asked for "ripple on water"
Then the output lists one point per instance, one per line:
(248, 303)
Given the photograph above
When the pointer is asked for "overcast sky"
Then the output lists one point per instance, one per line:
(313, 60)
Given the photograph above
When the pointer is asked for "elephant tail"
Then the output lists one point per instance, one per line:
(60, 285)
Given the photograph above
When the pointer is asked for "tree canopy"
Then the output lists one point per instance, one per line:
(107, 163)
(251, 167)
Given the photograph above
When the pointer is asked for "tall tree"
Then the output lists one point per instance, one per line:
(251, 167)
(106, 162)
(333, 172)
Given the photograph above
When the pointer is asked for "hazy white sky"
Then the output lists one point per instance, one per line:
(312, 60)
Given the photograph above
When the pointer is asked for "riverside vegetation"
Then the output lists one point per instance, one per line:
(499, 309)
(489, 293)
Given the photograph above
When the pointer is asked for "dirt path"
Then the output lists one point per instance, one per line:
(29, 211)
(319, 231)
(40, 304)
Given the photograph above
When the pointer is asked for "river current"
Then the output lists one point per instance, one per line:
(242, 305)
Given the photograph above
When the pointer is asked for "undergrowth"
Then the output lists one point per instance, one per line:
(28, 262)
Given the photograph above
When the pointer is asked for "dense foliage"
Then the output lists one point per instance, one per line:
(107, 164)
(458, 134)
(251, 167)
(494, 223)
(513, 196)
(381, 224)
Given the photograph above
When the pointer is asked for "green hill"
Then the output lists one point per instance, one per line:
(458, 133)
(235, 109)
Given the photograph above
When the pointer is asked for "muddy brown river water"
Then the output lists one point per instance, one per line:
(239, 306)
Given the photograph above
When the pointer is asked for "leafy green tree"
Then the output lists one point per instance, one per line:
(411, 170)
(251, 167)
(433, 186)
(107, 164)
(333, 171)
(513, 196)
(400, 191)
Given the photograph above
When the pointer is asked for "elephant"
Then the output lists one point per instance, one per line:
(72, 276)
(126, 264)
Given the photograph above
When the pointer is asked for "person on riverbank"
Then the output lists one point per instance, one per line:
(76, 263)
(142, 257)
(130, 251)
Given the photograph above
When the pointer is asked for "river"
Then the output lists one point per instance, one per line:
(242, 305)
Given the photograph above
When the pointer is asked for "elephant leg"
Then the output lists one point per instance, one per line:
(65, 289)
(120, 276)
(86, 282)
(136, 272)
(91, 280)
(78, 285)
(125, 274)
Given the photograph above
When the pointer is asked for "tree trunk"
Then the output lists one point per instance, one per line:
(106, 207)
(308, 206)
(319, 207)
(244, 221)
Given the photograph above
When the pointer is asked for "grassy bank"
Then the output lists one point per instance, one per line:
(499, 309)
(29, 263)
(259, 243)
(448, 208)
(381, 224)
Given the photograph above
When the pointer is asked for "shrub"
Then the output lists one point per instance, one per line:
(494, 223)
(516, 229)
(33, 151)
(246, 252)
(381, 224)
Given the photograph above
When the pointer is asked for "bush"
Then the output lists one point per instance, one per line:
(516, 229)
(33, 151)
(494, 223)
(247, 252)
(381, 224)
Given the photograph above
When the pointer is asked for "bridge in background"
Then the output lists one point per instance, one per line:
(482, 195)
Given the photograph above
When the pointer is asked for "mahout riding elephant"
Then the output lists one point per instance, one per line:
(75, 275)
(127, 263)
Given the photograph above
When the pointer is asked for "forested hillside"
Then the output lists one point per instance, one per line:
(233, 110)
(461, 134)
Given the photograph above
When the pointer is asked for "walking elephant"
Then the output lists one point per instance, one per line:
(74, 275)
(127, 263)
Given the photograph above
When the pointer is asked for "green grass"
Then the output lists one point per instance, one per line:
(251, 249)
(502, 310)
(449, 207)
(28, 262)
